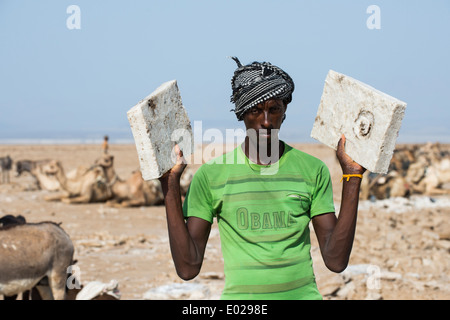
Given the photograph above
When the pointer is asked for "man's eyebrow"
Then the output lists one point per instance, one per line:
(277, 104)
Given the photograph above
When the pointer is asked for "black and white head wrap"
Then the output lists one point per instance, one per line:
(257, 82)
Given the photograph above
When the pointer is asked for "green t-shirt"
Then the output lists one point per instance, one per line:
(263, 214)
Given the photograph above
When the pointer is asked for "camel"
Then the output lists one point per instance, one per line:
(394, 183)
(132, 192)
(384, 186)
(402, 158)
(422, 170)
(430, 170)
(135, 191)
(30, 252)
(89, 187)
(41, 179)
(434, 176)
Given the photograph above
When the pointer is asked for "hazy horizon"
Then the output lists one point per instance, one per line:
(70, 70)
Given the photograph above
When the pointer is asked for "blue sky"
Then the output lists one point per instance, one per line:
(63, 83)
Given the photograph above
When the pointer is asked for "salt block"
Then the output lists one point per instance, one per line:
(158, 122)
(369, 119)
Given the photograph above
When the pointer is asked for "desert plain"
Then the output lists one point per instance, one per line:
(401, 248)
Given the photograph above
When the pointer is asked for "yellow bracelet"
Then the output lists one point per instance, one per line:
(348, 176)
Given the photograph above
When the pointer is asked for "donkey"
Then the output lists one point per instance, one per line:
(5, 167)
(30, 252)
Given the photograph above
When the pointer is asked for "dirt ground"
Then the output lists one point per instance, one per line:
(400, 253)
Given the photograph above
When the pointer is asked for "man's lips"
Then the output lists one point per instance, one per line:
(263, 133)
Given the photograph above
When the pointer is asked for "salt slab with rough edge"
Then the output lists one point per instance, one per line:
(158, 122)
(369, 119)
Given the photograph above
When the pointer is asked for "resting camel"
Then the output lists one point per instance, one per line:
(413, 169)
(30, 252)
(402, 158)
(89, 187)
(434, 176)
(385, 186)
(34, 167)
(132, 192)
(44, 180)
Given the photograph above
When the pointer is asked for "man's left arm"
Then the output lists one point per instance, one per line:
(335, 235)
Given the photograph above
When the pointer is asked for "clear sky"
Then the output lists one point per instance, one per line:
(62, 83)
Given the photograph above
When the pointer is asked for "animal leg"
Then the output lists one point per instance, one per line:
(45, 292)
(84, 197)
(79, 199)
(56, 197)
(113, 203)
(57, 284)
(132, 203)
(437, 192)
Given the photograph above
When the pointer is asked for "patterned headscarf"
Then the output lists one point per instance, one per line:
(257, 82)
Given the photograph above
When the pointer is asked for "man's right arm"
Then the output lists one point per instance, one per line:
(187, 239)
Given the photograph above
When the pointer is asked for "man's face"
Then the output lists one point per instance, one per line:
(265, 117)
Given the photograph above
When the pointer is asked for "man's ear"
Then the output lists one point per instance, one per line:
(285, 109)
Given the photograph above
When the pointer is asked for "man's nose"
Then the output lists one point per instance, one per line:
(266, 120)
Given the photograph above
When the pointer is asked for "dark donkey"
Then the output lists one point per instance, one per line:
(5, 167)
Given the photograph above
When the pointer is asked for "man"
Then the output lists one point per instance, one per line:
(263, 195)
(105, 145)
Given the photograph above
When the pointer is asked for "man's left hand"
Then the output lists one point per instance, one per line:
(347, 164)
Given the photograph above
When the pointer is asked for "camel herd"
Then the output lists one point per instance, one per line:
(96, 183)
(414, 169)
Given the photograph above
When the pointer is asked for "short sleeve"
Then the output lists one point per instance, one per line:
(322, 197)
(198, 198)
